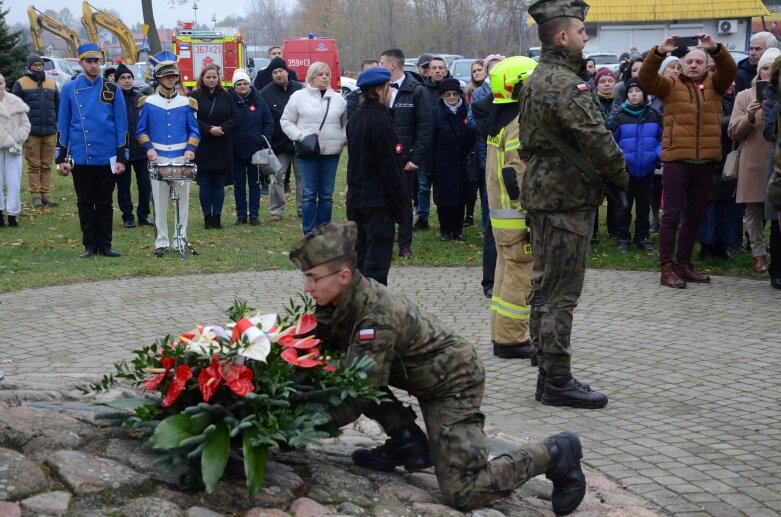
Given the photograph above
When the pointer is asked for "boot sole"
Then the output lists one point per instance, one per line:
(578, 450)
(548, 401)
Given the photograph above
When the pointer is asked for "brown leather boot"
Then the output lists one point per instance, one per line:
(670, 278)
(759, 264)
(686, 272)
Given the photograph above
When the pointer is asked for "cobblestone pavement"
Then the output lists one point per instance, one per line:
(693, 422)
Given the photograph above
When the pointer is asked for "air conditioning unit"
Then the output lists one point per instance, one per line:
(727, 26)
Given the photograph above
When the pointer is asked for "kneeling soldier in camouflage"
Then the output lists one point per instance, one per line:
(415, 352)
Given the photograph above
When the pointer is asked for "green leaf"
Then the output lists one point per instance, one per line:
(255, 460)
(171, 431)
(127, 402)
(215, 456)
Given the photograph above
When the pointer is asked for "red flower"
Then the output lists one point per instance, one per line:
(305, 325)
(182, 374)
(293, 342)
(308, 360)
(238, 378)
(154, 381)
(209, 379)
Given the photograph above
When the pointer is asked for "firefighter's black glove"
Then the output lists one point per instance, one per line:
(511, 183)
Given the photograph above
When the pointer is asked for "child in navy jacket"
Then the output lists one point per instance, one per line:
(637, 128)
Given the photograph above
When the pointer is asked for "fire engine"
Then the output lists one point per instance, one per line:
(196, 49)
(301, 52)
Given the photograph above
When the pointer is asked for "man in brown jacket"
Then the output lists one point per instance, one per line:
(691, 146)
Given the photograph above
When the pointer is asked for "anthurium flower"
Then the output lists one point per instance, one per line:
(294, 342)
(238, 378)
(205, 340)
(305, 324)
(309, 359)
(154, 381)
(209, 379)
(182, 374)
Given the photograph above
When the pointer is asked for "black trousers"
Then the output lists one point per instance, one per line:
(451, 219)
(638, 193)
(774, 269)
(410, 183)
(375, 241)
(94, 197)
(144, 184)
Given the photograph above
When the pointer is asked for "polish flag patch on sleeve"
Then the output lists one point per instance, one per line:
(582, 87)
(366, 334)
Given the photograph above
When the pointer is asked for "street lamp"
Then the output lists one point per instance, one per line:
(195, 13)
(214, 20)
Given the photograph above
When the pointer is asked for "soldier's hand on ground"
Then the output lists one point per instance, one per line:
(708, 43)
(410, 167)
(152, 155)
(189, 156)
(511, 183)
(668, 45)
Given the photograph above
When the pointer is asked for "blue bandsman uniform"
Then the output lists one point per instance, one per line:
(92, 121)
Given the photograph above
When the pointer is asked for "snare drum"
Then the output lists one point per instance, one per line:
(173, 171)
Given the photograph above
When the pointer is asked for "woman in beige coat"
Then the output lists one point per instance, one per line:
(14, 130)
(745, 127)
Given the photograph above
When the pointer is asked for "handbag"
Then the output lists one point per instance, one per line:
(267, 162)
(731, 165)
(309, 146)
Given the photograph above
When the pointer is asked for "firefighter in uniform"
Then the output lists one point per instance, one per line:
(167, 130)
(504, 174)
(569, 155)
(414, 351)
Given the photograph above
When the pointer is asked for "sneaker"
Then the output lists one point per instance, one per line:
(37, 203)
(49, 202)
(647, 246)
(623, 246)
(159, 252)
(407, 446)
(444, 237)
(459, 237)
(565, 390)
(129, 223)
(469, 221)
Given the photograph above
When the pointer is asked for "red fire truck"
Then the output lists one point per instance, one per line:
(196, 49)
(299, 53)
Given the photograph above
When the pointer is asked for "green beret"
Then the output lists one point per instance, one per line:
(325, 243)
(545, 10)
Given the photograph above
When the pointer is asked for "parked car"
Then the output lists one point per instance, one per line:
(348, 85)
(461, 69)
(605, 60)
(738, 55)
(59, 70)
(411, 65)
(139, 79)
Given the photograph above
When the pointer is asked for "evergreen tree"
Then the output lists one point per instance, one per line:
(13, 50)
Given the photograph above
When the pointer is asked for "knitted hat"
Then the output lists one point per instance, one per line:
(123, 69)
(492, 57)
(667, 62)
(33, 58)
(450, 84)
(768, 57)
(109, 70)
(634, 82)
(240, 75)
(373, 76)
(276, 63)
(602, 72)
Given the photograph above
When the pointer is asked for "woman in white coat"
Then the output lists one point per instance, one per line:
(317, 109)
(14, 130)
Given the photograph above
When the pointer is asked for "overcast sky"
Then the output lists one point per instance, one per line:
(130, 10)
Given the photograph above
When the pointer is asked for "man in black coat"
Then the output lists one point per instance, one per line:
(138, 161)
(375, 197)
(263, 78)
(411, 110)
(747, 68)
(40, 93)
(277, 94)
(354, 97)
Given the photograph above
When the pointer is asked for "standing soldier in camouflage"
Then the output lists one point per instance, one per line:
(563, 141)
(415, 352)
(504, 175)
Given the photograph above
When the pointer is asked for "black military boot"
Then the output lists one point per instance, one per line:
(541, 375)
(406, 447)
(565, 390)
(569, 482)
(521, 351)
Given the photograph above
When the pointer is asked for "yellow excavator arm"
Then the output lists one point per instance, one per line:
(94, 17)
(40, 22)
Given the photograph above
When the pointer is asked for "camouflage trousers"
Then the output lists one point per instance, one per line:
(459, 449)
(512, 286)
(560, 243)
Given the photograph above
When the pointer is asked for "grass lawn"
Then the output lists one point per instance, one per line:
(44, 250)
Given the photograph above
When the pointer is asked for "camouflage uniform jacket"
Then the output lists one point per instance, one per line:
(558, 97)
(413, 350)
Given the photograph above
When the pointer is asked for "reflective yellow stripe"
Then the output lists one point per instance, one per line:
(508, 224)
(512, 144)
(510, 310)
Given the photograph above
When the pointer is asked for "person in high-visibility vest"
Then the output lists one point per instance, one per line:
(504, 172)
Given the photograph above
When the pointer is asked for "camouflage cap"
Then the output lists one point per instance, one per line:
(325, 243)
(545, 10)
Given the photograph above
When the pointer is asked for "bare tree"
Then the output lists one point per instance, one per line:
(149, 19)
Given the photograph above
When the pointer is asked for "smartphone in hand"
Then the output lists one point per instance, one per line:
(687, 41)
(760, 90)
